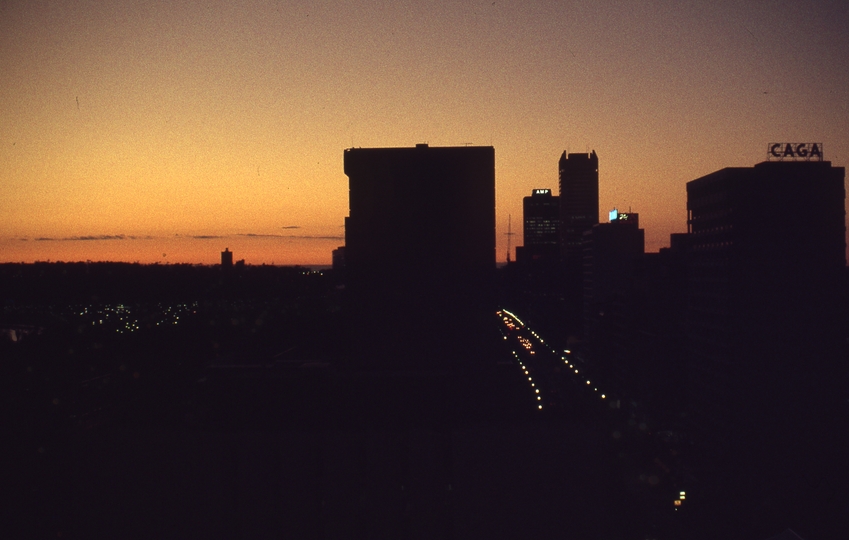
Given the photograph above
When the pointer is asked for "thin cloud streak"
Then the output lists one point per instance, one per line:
(298, 236)
(90, 237)
(191, 237)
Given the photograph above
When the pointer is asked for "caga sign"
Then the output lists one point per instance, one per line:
(794, 152)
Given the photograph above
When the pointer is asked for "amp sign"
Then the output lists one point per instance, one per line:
(794, 152)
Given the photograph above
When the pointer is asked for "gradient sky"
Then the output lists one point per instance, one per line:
(168, 130)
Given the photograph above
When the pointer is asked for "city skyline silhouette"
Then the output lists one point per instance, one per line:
(259, 275)
(691, 381)
(135, 131)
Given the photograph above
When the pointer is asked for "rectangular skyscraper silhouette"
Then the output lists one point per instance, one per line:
(766, 349)
(611, 253)
(539, 257)
(578, 200)
(541, 232)
(420, 252)
(766, 263)
(226, 258)
(578, 213)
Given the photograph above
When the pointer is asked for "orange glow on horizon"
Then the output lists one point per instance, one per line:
(181, 122)
(278, 250)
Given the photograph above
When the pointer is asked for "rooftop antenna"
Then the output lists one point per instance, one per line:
(509, 234)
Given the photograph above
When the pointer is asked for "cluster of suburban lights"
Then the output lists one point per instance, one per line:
(169, 315)
(512, 322)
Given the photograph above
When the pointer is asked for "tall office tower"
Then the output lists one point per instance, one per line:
(537, 271)
(765, 341)
(578, 200)
(578, 213)
(420, 253)
(541, 233)
(611, 252)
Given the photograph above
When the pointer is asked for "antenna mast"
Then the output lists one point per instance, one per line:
(509, 234)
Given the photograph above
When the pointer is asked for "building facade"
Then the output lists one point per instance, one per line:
(766, 260)
(765, 345)
(541, 227)
(578, 175)
(611, 253)
(420, 251)
(537, 272)
(227, 258)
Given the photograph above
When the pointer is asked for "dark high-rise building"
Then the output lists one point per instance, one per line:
(227, 258)
(765, 344)
(541, 233)
(578, 200)
(420, 252)
(578, 213)
(611, 253)
(338, 260)
(537, 272)
(767, 255)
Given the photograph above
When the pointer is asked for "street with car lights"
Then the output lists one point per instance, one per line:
(647, 459)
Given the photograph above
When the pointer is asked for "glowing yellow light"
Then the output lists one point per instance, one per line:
(537, 390)
(540, 406)
(677, 503)
(602, 396)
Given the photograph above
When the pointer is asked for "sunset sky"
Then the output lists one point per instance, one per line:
(168, 130)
